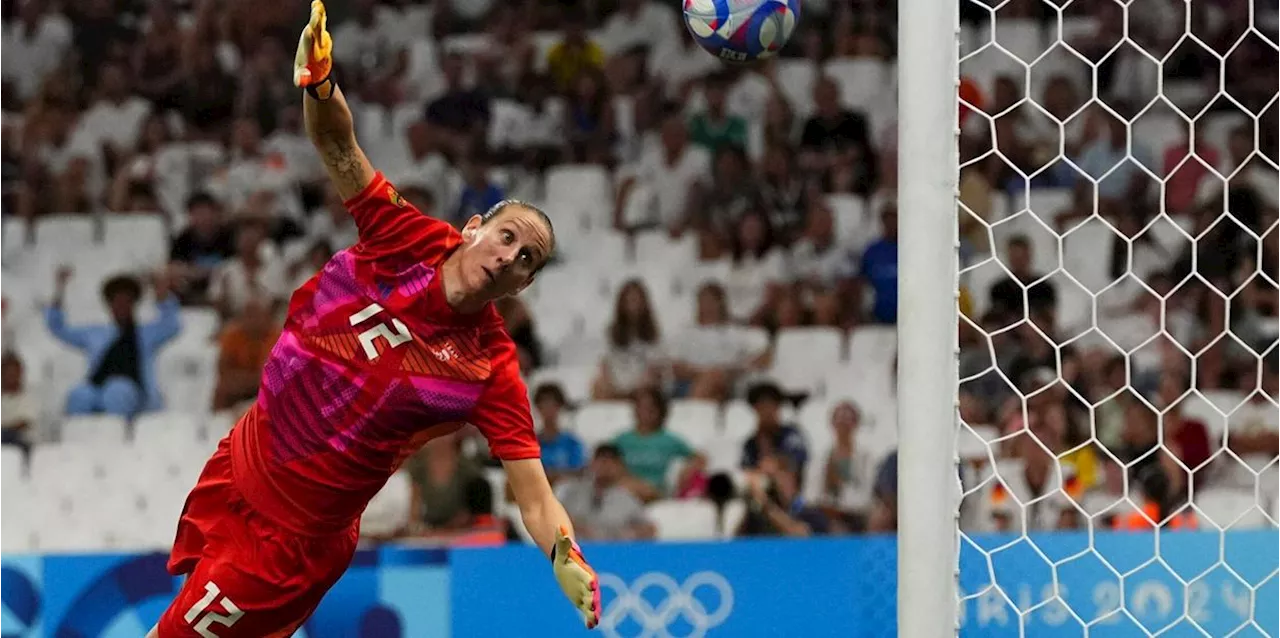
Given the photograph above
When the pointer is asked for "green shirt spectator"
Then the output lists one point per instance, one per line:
(715, 128)
(649, 450)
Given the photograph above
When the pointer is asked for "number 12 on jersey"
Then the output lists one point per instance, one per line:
(396, 334)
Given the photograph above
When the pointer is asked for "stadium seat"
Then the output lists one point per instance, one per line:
(586, 189)
(803, 356)
(796, 78)
(64, 235)
(724, 453)
(694, 420)
(602, 421)
(575, 380)
(142, 237)
(1159, 130)
(1223, 508)
(13, 466)
(683, 519)
(855, 226)
(169, 429)
(873, 349)
(93, 429)
(860, 80)
(657, 249)
(738, 421)
(734, 512)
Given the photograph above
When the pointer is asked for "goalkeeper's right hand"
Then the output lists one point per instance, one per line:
(576, 578)
(314, 60)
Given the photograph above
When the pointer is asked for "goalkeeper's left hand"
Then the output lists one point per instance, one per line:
(576, 578)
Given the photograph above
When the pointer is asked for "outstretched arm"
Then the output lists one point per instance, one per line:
(325, 111)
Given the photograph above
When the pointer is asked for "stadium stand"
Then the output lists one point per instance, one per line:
(111, 145)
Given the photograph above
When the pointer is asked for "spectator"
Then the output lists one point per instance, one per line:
(709, 358)
(657, 191)
(759, 268)
(635, 351)
(482, 528)
(816, 258)
(879, 270)
(243, 348)
(425, 165)
(159, 79)
(200, 248)
(34, 45)
(589, 119)
(21, 407)
(1186, 174)
(1185, 437)
(774, 506)
(640, 23)
(255, 270)
(717, 206)
(459, 113)
(649, 450)
(333, 224)
(574, 54)
(1105, 150)
(772, 437)
(1006, 294)
(115, 119)
(311, 263)
(440, 477)
(519, 324)
(850, 468)
(478, 194)
(884, 503)
(715, 128)
(562, 454)
(121, 354)
(834, 136)
(1253, 430)
(785, 195)
(600, 506)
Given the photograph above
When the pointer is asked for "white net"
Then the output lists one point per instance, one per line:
(1118, 392)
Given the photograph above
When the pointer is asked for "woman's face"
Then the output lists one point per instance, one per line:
(710, 307)
(549, 410)
(751, 232)
(844, 419)
(648, 416)
(634, 302)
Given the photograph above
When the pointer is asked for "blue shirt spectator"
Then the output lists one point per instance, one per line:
(478, 193)
(772, 436)
(122, 353)
(1108, 152)
(562, 452)
(879, 269)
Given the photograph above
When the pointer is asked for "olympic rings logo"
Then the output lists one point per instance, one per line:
(678, 601)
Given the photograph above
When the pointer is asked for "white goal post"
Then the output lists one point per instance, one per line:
(928, 161)
(1114, 471)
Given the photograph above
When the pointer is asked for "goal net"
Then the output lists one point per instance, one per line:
(1117, 367)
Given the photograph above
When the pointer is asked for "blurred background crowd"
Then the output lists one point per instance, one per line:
(713, 352)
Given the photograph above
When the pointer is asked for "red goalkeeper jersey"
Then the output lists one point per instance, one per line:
(373, 363)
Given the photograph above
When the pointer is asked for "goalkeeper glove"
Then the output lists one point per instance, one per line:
(576, 578)
(313, 62)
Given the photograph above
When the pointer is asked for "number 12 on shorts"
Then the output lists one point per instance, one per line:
(201, 618)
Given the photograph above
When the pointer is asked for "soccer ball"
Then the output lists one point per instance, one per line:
(741, 30)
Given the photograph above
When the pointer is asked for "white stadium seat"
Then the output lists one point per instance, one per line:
(602, 421)
(575, 380)
(13, 467)
(683, 519)
(734, 511)
(860, 80)
(803, 356)
(170, 429)
(585, 189)
(94, 429)
(694, 420)
(65, 235)
(142, 237)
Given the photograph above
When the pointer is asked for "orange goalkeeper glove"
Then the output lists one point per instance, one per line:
(576, 578)
(313, 62)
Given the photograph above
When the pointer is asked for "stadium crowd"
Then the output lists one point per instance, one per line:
(713, 351)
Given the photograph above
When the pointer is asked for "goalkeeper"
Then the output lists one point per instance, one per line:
(395, 342)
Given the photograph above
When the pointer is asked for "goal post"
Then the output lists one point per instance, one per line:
(928, 168)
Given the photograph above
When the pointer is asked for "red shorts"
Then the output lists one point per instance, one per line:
(246, 576)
